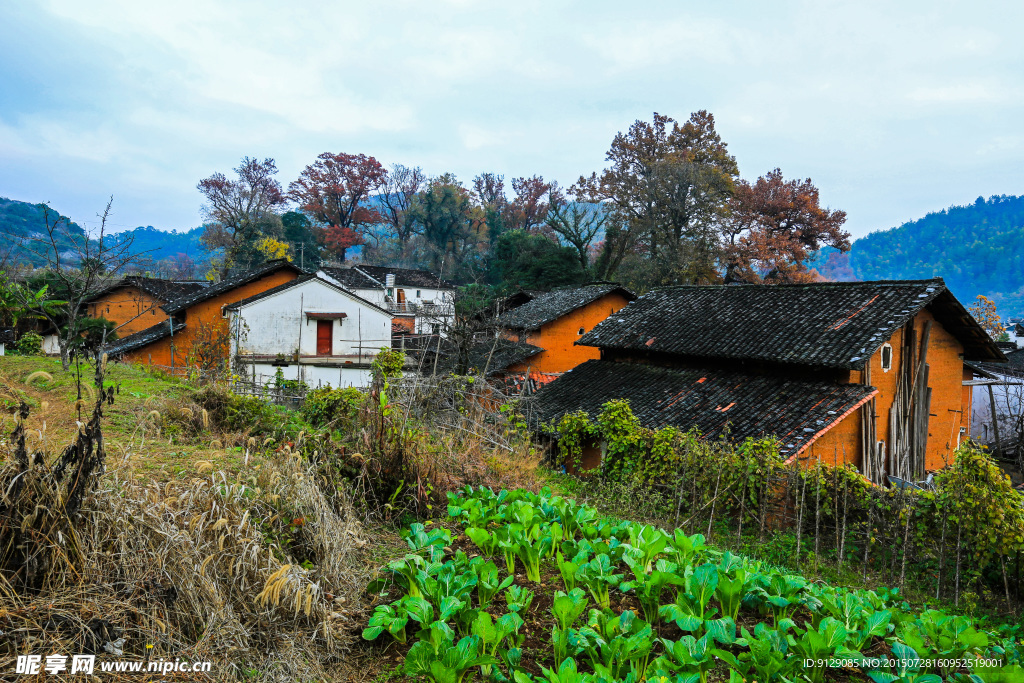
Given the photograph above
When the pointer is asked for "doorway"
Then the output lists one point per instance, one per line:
(324, 337)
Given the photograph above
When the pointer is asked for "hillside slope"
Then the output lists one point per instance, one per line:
(977, 249)
(21, 221)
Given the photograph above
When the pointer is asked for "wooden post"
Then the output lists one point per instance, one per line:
(800, 515)
(995, 420)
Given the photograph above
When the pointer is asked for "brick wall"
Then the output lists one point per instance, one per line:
(558, 337)
(130, 308)
(205, 313)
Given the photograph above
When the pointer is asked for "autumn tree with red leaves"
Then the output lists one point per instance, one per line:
(333, 190)
(235, 209)
(528, 210)
(773, 226)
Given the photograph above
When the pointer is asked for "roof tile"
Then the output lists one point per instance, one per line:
(833, 324)
(545, 308)
(711, 399)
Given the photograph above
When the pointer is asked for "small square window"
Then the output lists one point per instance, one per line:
(886, 357)
(581, 331)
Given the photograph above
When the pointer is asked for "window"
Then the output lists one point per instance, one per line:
(581, 331)
(418, 295)
(886, 357)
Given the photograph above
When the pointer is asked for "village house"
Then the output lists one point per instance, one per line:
(550, 324)
(133, 303)
(195, 326)
(419, 301)
(998, 416)
(868, 373)
(312, 330)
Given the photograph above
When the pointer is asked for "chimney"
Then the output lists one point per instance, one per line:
(389, 280)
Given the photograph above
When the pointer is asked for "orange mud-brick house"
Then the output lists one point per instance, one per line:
(552, 323)
(868, 373)
(196, 321)
(134, 303)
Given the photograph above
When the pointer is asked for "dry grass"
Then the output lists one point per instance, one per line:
(207, 564)
(211, 544)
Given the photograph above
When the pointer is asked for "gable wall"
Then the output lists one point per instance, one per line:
(278, 324)
(950, 404)
(132, 309)
(204, 316)
(557, 337)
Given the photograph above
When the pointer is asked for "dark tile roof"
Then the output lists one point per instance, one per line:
(553, 305)
(269, 292)
(351, 278)
(227, 284)
(499, 355)
(709, 399)
(158, 288)
(496, 357)
(1014, 365)
(143, 338)
(829, 324)
(306, 277)
(405, 277)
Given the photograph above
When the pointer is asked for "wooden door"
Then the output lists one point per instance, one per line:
(324, 337)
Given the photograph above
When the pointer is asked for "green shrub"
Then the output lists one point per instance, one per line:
(30, 344)
(387, 365)
(326, 405)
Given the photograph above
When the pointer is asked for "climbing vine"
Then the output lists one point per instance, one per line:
(969, 525)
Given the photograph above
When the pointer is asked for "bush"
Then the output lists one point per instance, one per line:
(326, 405)
(387, 365)
(238, 413)
(30, 344)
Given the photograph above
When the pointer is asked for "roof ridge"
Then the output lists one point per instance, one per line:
(791, 285)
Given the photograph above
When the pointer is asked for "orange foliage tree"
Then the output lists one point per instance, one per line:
(773, 226)
(984, 311)
(333, 190)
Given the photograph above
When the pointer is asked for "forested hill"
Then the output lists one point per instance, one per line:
(21, 221)
(977, 249)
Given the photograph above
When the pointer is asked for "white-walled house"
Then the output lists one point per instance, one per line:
(418, 300)
(312, 329)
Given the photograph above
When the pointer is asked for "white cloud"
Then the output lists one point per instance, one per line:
(150, 97)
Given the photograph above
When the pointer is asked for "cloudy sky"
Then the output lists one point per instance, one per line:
(894, 109)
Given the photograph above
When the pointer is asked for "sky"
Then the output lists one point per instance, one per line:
(892, 109)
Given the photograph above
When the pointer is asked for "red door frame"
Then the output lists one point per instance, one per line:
(325, 337)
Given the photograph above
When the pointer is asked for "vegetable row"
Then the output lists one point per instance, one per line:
(467, 615)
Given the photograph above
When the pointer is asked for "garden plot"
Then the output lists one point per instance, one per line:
(534, 588)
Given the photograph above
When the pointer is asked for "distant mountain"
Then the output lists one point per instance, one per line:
(977, 249)
(20, 222)
(157, 245)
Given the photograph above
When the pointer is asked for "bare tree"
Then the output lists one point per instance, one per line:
(237, 208)
(399, 189)
(576, 223)
(77, 264)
